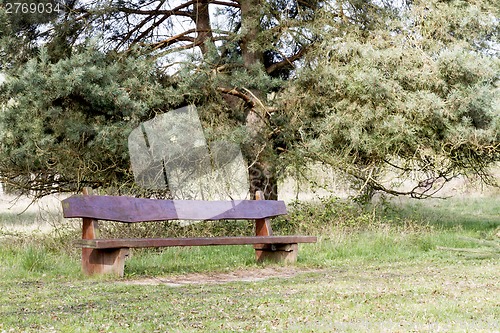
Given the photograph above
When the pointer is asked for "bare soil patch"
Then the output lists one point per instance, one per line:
(245, 275)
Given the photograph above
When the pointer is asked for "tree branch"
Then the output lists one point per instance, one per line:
(178, 11)
(183, 37)
(233, 92)
(235, 4)
(287, 62)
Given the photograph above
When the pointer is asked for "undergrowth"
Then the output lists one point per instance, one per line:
(346, 231)
(324, 217)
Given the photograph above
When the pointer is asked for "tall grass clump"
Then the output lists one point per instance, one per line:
(32, 258)
(332, 215)
(35, 259)
(38, 244)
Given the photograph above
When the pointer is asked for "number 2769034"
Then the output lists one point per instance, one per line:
(32, 8)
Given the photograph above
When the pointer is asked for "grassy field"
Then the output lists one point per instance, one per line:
(411, 267)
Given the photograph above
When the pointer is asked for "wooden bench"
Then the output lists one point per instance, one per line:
(101, 256)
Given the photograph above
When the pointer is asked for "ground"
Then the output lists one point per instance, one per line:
(243, 275)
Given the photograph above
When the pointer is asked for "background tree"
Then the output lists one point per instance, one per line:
(356, 84)
(414, 98)
(230, 59)
(67, 124)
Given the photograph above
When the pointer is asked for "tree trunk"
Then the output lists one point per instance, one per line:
(201, 17)
(250, 25)
(263, 178)
(258, 152)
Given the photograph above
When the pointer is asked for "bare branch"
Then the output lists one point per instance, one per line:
(287, 62)
(234, 92)
(183, 37)
(235, 4)
(178, 11)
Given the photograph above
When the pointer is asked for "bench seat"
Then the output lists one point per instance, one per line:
(197, 241)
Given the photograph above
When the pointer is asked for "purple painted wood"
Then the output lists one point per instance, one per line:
(202, 241)
(129, 209)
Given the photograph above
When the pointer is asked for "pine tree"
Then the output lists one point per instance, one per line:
(411, 99)
(360, 85)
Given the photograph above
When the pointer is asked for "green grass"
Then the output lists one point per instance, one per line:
(395, 297)
(472, 214)
(419, 267)
(187, 260)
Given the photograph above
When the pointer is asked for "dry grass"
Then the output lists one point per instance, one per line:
(411, 267)
(424, 296)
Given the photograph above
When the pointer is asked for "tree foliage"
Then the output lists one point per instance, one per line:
(371, 88)
(412, 98)
(66, 123)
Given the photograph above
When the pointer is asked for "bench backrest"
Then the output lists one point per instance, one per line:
(129, 209)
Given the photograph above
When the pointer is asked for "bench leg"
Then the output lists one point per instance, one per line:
(104, 261)
(286, 253)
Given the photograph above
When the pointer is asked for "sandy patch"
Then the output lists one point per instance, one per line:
(20, 204)
(20, 214)
(246, 275)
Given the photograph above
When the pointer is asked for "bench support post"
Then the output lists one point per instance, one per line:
(286, 253)
(95, 261)
(105, 261)
(272, 252)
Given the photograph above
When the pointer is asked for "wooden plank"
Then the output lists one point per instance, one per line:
(129, 209)
(202, 241)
